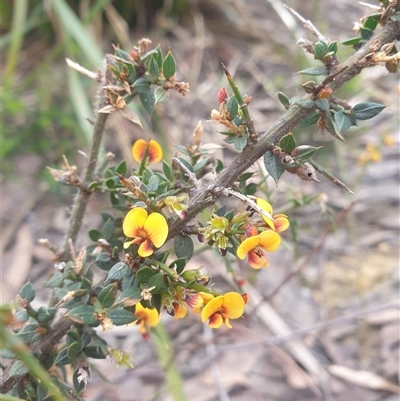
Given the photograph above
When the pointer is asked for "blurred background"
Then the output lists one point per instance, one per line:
(327, 308)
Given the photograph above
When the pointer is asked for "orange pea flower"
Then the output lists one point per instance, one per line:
(154, 151)
(280, 222)
(222, 308)
(147, 318)
(254, 246)
(146, 230)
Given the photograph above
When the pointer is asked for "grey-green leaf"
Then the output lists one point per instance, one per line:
(273, 165)
(18, 369)
(342, 121)
(121, 316)
(119, 271)
(314, 71)
(365, 110)
(232, 106)
(83, 314)
(27, 292)
(183, 246)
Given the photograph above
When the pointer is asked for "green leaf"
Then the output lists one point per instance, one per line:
(284, 100)
(83, 314)
(22, 316)
(95, 235)
(232, 107)
(183, 246)
(153, 183)
(94, 352)
(371, 23)
(366, 33)
(352, 41)
(103, 261)
(251, 189)
(18, 368)
(322, 104)
(288, 142)
(121, 316)
(178, 265)
(240, 143)
(156, 281)
(310, 120)
(158, 56)
(141, 85)
(168, 170)
(62, 358)
(333, 47)
(143, 275)
(273, 165)
(342, 120)
(314, 71)
(169, 65)
(108, 230)
(331, 127)
(303, 153)
(121, 168)
(160, 95)
(153, 69)
(148, 101)
(55, 280)
(108, 295)
(45, 314)
(73, 350)
(365, 110)
(320, 48)
(304, 103)
(27, 292)
(119, 271)
(131, 296)
(29, 333)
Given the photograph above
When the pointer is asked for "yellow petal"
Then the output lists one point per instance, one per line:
(180, 310)
(212, 306)
(134, 221)
(215, 321)
(268, 208)
(155, 152)
(150, 317)
(138, 149)
(247, 245)
(269, 241)
(156, 228)
(228, 325)
(233, 305)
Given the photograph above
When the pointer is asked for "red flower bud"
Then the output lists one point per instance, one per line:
(222, 95)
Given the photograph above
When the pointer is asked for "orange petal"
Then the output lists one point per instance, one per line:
(145, 249)
(247, 245)
(256, 261)
(281, 222)
(156, 228)
(155, 152)
(138, 149)
(269, 241)
(215, 321)
(233, 305)
(133, 221)
(212, 306)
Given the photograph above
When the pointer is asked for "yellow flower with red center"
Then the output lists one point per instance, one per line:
(145, 229)
(254, 246)
(280, 222)
(147, 318)
(154, 151)
(222, 308)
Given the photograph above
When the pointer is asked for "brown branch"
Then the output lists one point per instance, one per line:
(207, 196)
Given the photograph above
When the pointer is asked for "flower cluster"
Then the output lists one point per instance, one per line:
(249, 233)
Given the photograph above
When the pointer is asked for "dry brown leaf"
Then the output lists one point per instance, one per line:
(131, 116)
(363, 378)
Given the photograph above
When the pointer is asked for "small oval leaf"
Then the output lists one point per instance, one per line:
(365, 110)
(273, 165)
(183, 246)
